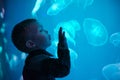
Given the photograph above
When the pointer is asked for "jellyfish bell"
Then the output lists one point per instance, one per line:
(75, 24)
(57, 6)
(37, 6)
(55, 9)
(70, 28)
(115, 39)
(95, 32)
(1, 49)
(111, 71)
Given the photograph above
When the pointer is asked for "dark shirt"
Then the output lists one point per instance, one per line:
(40, 65)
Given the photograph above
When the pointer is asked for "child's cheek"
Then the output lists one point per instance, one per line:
(43, 38)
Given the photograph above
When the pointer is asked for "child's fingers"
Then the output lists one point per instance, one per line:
(60, 34)
(63, 34)
(60, 31)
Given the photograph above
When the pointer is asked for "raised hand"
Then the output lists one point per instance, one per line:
(62, 39)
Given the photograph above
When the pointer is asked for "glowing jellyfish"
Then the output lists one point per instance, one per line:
(115, 39)
(70, 28)
(13, 61)
(95, 32)
(57, 6)
(112, 71)
(37, 6)
(23, 56)
(85, 3)
(21, 78)
(2, 30)
(1, 48)
(2, 13)
(73, 57)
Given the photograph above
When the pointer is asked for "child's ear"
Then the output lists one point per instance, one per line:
(30, 44)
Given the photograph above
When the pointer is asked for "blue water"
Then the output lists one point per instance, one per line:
(92, 29)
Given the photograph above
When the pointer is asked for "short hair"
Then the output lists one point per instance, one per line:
(19, 36)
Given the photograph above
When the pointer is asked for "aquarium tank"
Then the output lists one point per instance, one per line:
(92, 31)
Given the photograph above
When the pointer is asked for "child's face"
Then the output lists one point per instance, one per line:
(39, 37)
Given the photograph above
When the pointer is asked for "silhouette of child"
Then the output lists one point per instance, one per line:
(30, 37)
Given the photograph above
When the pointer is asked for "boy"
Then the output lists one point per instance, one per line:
(30, 37)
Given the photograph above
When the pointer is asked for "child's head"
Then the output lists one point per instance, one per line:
(29, 35)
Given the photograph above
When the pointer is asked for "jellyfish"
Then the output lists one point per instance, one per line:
(1, 49)
(2, 13)
(37, 6)
(70, 28)
(21, 77)
(111, 71)
(95, 32)
(2, 30)
(73, 57)
(115, 39)
(85, 3)
(23, 56)
(13, 61)
(57, 6)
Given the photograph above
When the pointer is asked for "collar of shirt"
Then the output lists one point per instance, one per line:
(39, 52)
